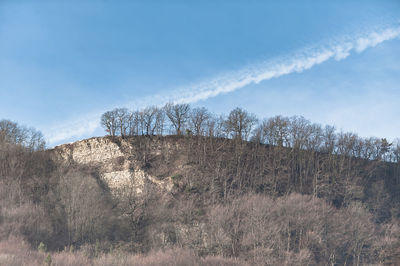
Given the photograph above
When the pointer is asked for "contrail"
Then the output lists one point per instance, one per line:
(283, 66)
(229, 82)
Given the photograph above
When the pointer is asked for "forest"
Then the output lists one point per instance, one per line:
(250, 191)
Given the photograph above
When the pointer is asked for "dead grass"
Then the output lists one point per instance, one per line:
(15, 252)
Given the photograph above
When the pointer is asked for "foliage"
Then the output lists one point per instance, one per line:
(42, 247)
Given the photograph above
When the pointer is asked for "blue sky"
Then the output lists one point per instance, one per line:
(63, 63)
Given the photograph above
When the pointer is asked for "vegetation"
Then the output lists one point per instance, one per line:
(282, 191)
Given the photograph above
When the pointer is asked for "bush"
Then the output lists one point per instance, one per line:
(42, 247)
(47, 260)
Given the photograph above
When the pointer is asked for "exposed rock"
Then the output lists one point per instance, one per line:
(114, 160)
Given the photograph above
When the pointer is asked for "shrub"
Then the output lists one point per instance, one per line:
(42, 247)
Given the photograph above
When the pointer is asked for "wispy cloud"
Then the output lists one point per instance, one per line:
(75, 128)
(294, 63)
(337, 49)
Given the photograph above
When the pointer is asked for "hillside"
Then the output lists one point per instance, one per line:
(170, 162)
(261, 204)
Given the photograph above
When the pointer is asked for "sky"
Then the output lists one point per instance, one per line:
(64, 63)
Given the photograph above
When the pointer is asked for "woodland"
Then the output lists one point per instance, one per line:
(273, 191)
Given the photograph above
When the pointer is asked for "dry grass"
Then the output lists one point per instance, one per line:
(15, 252)
(174, 257)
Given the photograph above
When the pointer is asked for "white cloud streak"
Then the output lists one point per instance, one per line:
(229, 82)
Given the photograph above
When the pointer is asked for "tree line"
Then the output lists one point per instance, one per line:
(291, 132)
(13, 133)
(269, 200)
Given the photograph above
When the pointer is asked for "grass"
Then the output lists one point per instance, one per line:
(16, 252)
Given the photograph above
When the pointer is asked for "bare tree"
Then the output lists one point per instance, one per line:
(13, 133)
(86, 211)
(299, 131)
(160, 122)
(198, 120)
(109, 121)
(385, 149)
(276, 131)
(35, 140)
(137, 125)
(396, 151)
(329, 139)
(122, 120)
(346, 143)
(130, 123)
(150, 119)
(178, 115)
(10, 132)
(240, 123)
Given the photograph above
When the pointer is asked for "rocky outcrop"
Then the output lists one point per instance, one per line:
(115, 160)
(117, 166)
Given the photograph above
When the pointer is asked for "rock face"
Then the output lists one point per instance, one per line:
(90, 151)
(117, 166)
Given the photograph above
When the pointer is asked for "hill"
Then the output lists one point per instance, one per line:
(261, 204)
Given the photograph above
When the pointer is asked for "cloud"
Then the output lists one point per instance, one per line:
(228, 82)
(75, 128)
(376, 38)
(295, 63)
